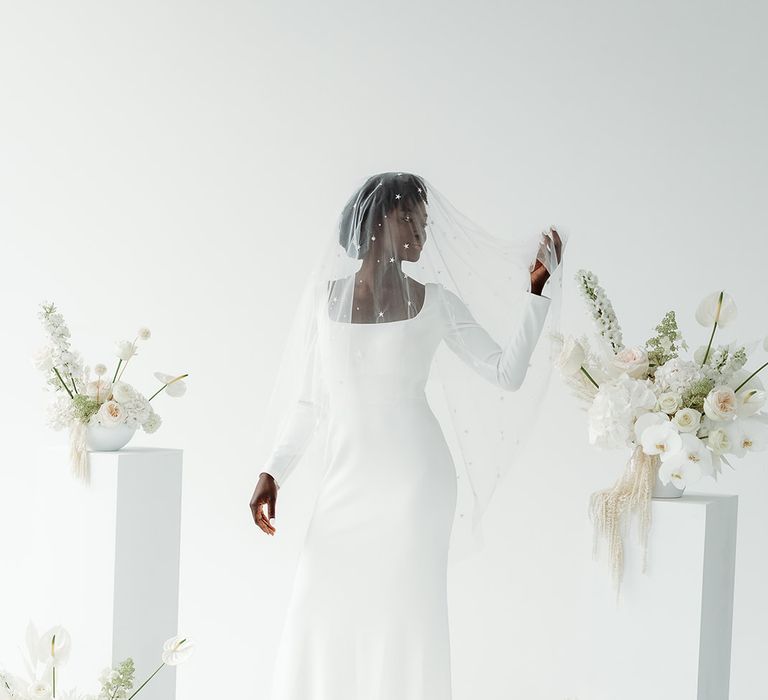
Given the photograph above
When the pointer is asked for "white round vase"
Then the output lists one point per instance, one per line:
(102, 439)
(661, 490)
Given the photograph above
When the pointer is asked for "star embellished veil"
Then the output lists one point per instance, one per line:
(398, 245)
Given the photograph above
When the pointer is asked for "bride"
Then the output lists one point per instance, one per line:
(368, 617)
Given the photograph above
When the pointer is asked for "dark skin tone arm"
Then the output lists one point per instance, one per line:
(265, 492)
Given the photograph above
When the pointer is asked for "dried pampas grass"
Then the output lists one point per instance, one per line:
(78, 452)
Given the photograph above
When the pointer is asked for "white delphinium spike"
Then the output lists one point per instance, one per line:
(601, 309)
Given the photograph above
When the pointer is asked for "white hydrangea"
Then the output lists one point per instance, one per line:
(616, 406)
(676, 375)
(152, 423)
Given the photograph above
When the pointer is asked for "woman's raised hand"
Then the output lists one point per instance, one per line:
(264, 493)
(552, 246)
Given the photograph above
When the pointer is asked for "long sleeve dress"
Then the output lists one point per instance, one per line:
(368, 615)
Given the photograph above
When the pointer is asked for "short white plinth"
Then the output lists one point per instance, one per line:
(111, 553)
(669, 638)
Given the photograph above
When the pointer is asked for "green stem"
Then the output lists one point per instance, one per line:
(750, 376)
(175, 379)
(146, 681)
(114, 379)
(54, 682)
(63, 384)
(74, 385)
(714, 327)
(597, 386)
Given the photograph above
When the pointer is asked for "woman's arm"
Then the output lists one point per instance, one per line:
(296, 429)
(504, 366)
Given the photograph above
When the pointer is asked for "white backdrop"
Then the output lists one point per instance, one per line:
(150, 153)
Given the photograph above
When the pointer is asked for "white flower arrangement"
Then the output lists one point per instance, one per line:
(81, 400)
(47, 653)
(682, 418)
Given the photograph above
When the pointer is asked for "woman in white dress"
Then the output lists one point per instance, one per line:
(368, 615)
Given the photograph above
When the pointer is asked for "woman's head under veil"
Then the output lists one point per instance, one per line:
(397, 241)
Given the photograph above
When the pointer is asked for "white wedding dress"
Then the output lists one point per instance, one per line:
(368, 615)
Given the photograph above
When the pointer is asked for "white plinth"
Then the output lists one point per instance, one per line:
(670, 636)
(111, 556)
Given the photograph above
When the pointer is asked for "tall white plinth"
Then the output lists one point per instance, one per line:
(110, 556)
(669, 638)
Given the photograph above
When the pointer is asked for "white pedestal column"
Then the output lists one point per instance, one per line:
(111, 562)
(670, 636)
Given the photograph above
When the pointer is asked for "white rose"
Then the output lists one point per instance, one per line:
(571, 357)
(720, 403)
(669, 402)
(111, 413)
(123, 392)
(720, 440)
(662, 439)
(687, 420)
(125, 350)
(633, 361)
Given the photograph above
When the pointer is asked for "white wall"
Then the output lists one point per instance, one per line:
(152, 155)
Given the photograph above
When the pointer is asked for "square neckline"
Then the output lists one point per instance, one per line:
(383, 323)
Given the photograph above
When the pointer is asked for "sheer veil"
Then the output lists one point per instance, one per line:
(397, 240)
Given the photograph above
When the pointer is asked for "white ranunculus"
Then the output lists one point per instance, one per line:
(125, 350)
(711, 309)
(111, 413)
(54, 646)
(749, 401)
(571, 357)
(177, 650)
(178, 388)
(633, 361)
(687, 420)
(720, 440)
(662, 439)
(669, 402)
(720, 403)
(688, 464)
(123, 392)
(646, 420)
(152, 423)
(43, 359)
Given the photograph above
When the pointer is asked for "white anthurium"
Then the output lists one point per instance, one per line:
(711, 309)
(571, 357)
(688, 464)
(749, 402)
(125, 350)
(687, 420)
(750, 435)
(661, 439)
(645, 420)
(176, 650)
(174, 387)
(54, 646)
(633, 361)
(720, 403)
